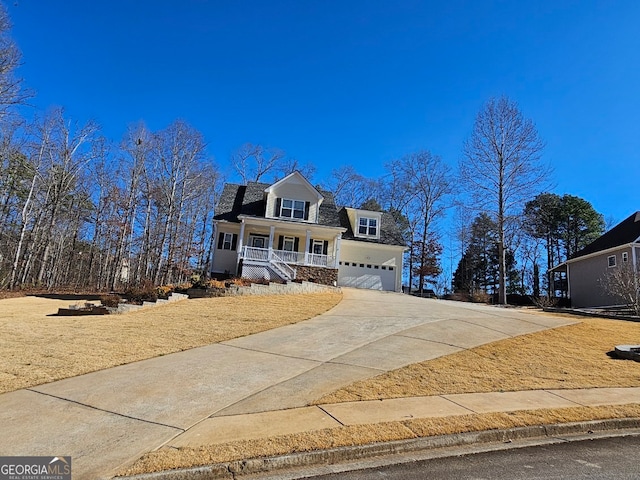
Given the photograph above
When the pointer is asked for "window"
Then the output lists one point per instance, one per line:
(289, 244)
(318, 246)
(258, 242)
(611, 260)
(625, 257)
(368, 226)
(227, 241)
(390, 268)
(292, 209)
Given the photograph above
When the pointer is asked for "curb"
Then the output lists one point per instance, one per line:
(591, 314)
(232, 470)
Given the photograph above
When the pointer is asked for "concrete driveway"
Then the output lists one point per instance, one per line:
(108, 418)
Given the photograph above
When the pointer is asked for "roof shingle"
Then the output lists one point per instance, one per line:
(627, 231)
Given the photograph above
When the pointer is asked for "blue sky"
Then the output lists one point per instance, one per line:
(352, 82)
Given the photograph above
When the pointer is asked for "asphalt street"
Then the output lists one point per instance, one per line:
(601, 459)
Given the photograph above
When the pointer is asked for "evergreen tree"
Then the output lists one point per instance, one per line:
(478, 269)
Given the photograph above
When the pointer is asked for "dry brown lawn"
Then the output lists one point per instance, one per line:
(36, 348)
(168, 459)
(574, 356)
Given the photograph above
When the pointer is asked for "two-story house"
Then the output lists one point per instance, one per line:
(291, 230)
(585, 271)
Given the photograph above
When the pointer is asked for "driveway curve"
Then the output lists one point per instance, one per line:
(107, 418)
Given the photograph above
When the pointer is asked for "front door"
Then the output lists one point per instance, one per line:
(258, 242)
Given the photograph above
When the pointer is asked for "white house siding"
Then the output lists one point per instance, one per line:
(225, 261)
(292, 191)
(370, 265)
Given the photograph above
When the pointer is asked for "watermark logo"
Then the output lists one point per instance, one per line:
(35, 468)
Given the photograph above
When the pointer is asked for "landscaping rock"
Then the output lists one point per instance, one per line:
(629, 352)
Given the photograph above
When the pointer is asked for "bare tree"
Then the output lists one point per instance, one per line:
(253, 162)
(11, 92)
(289, 165)
(350, 189)
(32, 177)
(622, 282)
(501, 168)
(420, 187)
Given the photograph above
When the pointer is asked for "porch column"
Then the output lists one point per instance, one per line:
(272, 231)
(212, 246)
(307, 241)
(635, 266)
(240, 242)
(336, 250)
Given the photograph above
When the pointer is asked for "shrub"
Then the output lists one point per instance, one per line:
(544, 301)
(183, 287)
(197, 281)
(480, 297)
(214, 284)
(164, 290)
(111, 300)
(144, 292)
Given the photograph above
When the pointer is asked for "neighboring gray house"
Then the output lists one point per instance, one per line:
(290, 230)
(585, 269)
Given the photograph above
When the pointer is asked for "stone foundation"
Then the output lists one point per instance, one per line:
(321, 275)
(291, 288)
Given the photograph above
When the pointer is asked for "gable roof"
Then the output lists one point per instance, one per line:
(627, 231)
(390, 234)
(296, 176)
(250, 200)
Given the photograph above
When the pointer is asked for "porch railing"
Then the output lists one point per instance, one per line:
(296, 258)
(280, 264)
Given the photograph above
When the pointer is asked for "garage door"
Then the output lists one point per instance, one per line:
(375, 277)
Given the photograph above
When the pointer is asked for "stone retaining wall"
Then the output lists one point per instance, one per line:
(128, 307)
(291, 288)
(325, 276)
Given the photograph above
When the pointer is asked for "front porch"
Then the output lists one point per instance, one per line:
(263, 263)
(288, 251)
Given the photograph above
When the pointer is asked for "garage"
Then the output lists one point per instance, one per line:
(374, 277)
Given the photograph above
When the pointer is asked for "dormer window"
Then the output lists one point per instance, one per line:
(368, 226)
(292, 209)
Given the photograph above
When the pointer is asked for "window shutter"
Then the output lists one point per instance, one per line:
(311, 245)
(306, 210)
(296, 244)
(276, 213)
(280, 241)
(220, 240)
(325, 247)
(234, 241)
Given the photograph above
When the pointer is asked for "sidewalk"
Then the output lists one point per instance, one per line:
(218, 430)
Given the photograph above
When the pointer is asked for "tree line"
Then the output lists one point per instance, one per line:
(79, 211)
